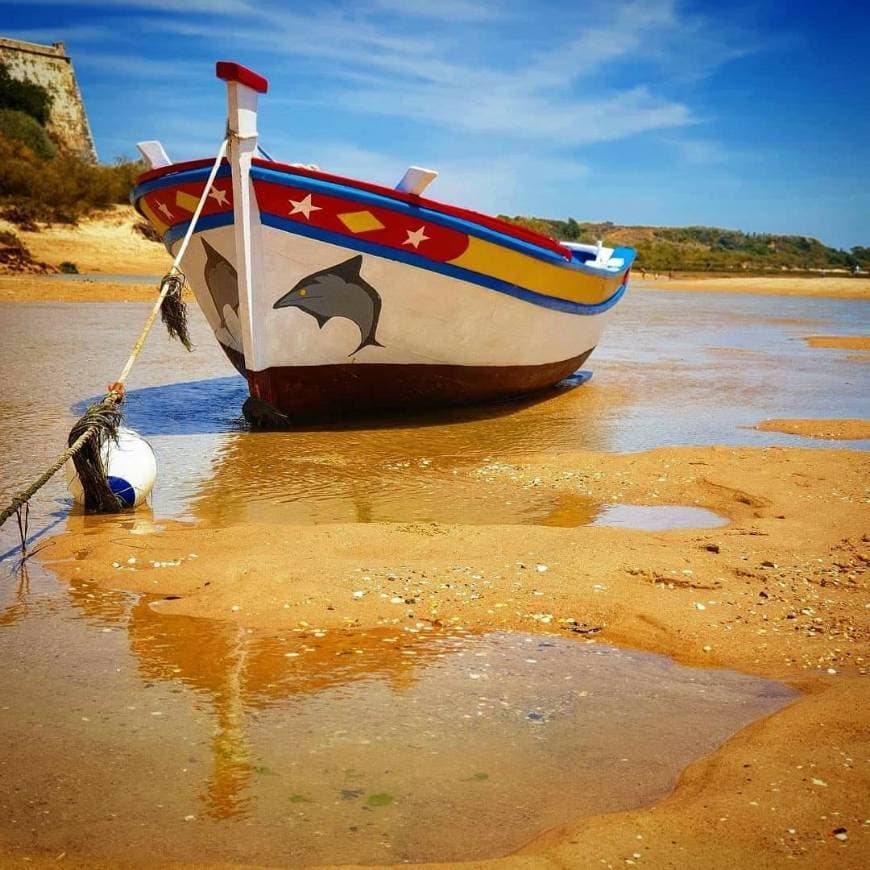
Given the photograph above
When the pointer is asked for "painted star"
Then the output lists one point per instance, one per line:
(304, 206)
(219, 196)
(416, 237)
(163, 207)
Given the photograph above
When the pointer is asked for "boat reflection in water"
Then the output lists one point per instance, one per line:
(436, 469)
(331, 746)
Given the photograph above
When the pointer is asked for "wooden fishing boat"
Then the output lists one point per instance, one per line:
(333, 296)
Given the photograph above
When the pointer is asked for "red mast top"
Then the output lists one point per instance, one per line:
(235, 72)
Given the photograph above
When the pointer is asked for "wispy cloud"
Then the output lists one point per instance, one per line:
(382, 65)
(468, 73)
(441, 10)
(698, 151)
(410, 60)
(493, 183)
(48, 35)
(215, 7)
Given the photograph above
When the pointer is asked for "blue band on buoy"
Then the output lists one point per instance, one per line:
(123, 490)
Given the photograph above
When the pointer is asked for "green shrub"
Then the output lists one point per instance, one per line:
(32, 99)
(68, 268)
(63, 189)
(18, 125)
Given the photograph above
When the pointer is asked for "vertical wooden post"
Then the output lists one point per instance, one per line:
(243, 88)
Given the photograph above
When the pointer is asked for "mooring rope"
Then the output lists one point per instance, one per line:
(102, 419)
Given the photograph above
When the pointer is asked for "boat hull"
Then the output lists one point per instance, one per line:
(341, 391)
(363, 303)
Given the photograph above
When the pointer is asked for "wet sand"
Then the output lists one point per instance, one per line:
(19, 288)
(385, 528)
(832, 430)
(839, 287)
(843, 342)
(780, 592)
(147, 262)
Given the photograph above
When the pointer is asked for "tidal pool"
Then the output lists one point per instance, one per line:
(128, 732)
(658, 517)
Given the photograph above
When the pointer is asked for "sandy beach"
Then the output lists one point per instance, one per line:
(777, 590)
(434, 435)
(19, 288)
(841, 287)
(832, 430)
(841, 342)
(106, 242)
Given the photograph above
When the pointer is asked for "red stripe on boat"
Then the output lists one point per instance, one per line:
(500, 226)
(393, 229)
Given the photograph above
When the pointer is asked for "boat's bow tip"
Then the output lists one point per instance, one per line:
(230, 71)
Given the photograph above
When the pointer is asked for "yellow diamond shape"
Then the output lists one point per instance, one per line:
(186, 201)
(360, 221)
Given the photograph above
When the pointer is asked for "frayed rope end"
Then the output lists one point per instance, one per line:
(173, 310)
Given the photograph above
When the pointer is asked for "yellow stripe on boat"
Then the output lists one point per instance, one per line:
(158, 224)
(186, 201)
(513, 267)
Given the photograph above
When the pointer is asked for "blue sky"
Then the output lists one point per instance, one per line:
(754, 116)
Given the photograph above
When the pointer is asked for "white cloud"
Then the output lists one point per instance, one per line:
(501, 183)
(377, 65)
(507, 72)
(48, 35)
(698, 151)
(214, 7)
(442, 10)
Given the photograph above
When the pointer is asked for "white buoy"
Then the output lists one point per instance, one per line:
(130, 466)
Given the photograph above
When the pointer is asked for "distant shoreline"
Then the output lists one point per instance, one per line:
(24, 287)
(835, 287)
(108, 243)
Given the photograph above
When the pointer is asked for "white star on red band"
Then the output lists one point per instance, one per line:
(304, 207)
(416, 238)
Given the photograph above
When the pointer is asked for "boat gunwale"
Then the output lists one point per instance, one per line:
(195, 171)
(556, 303)
(498, 225)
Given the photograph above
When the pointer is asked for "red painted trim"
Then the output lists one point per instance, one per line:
(493, 223)
(175, 167)
(235, 72)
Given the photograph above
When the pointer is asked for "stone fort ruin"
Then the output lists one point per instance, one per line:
(51, 68)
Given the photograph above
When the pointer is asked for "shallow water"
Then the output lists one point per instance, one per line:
(674, 368)
(128, 732)
(657, 518)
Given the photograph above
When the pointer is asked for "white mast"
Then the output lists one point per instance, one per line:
(243, 88)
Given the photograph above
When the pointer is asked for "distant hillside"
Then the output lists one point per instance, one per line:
(707, 249)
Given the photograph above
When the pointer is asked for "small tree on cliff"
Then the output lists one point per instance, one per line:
(27, 97)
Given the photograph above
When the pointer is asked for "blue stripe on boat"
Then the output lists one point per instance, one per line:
(366, 197)
(213, 221)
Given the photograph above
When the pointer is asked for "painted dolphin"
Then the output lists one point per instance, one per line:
(222, 282)
(339, 291)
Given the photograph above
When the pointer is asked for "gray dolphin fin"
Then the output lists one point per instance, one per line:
(349, 269)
